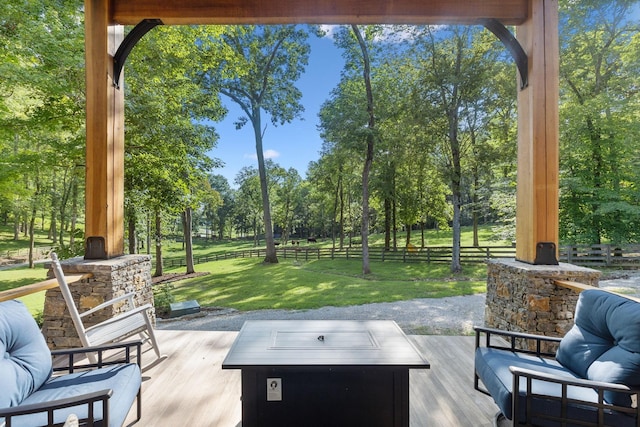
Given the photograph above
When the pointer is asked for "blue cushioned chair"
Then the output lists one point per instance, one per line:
(34, 392)
(592, 380)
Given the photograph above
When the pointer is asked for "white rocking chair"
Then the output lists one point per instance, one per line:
(124, 325)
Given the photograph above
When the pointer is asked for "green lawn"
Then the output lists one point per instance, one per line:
(22, 276)
(248, 284)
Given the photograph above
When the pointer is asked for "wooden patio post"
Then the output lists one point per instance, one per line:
(538, 137)
(104, 203)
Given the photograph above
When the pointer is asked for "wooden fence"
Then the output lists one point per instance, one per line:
(623, 256)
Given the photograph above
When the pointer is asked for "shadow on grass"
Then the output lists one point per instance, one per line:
(248, 284)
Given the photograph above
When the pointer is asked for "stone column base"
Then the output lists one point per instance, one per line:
(111, 278)
(522, 297)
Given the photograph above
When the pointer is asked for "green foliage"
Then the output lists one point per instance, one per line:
(600, 134)
(41, 112)
(163, 297)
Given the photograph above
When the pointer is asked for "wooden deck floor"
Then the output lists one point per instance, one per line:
(189, 388)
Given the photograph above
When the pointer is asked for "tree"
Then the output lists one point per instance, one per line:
(341, 119)
(357, 52)
(263, 64)
(288, 200)
(219, 212)
(366, 75)
(600, 133)
(249, 205)
(167, 142)
(455, 67)
(41, 110)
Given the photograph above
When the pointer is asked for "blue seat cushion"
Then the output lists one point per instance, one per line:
(25, 359)
(492, 366)
(604, 343)
(124, 379)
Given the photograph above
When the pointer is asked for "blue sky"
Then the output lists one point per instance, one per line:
(293, 144)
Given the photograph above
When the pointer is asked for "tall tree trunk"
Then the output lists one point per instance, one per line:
(53, 230)
(456, 200)
(16, 227)
(408, 235)
(366, 74)
(131, 230)
(394, 219)
(270, 257)
(158, 232)
(187, 228)
(32, 222)
(74, 212)
(387, 224)
(456, 192)
(341, 213)
(148, 233)
(475, 202)
(336, 202)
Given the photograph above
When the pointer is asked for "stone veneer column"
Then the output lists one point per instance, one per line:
(111, 278)
(521, 297)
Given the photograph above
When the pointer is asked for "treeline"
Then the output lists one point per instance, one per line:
(444, 100)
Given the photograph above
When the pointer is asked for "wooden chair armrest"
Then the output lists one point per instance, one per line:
(128, 296)
(512, 339)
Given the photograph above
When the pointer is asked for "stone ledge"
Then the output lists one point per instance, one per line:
(523, 297)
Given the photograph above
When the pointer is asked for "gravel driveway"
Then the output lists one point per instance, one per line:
(433, 316)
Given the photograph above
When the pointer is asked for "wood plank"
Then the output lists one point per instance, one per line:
(445, 392)
(190, 388)
(579, 287)
(130, 12)
(22, 291)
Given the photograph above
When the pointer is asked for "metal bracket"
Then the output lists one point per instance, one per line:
(95, 248)
(128, 43)
(546, 254)
(512, 45)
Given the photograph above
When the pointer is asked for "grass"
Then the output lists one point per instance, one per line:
(248, 284)
(21, 276)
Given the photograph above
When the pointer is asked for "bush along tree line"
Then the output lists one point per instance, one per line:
(420, 131)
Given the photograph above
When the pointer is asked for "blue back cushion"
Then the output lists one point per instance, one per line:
(604, 343)
(25, 359)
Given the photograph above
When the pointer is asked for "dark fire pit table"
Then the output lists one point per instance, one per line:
(324, 373)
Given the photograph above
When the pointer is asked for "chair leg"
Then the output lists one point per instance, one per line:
(152, 336)
(139, 404)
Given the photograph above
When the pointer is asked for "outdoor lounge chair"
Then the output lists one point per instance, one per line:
(36, 391)
(592, 380)
(133, 321)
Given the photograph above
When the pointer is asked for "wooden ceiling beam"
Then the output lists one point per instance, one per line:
(207, 12)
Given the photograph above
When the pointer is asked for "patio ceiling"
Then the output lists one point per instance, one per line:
(509, 12)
